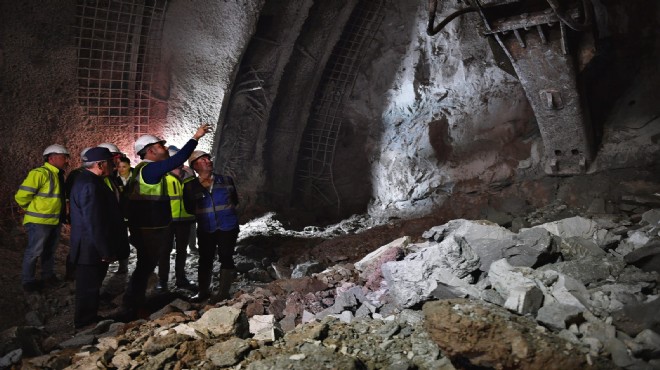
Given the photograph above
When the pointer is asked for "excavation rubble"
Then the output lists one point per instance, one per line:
(467, 184)
(559, 294)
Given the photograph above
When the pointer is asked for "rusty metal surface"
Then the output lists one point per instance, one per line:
(548, 77)
(526, 20)
(534, 35)
(497, 2)
(538, 48)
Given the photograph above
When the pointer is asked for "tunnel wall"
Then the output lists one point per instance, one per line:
(426, 120)
(202, 45)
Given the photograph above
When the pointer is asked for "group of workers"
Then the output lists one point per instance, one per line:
(158, 201)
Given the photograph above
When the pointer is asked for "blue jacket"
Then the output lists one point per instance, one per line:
(97, 226)
(214, 210)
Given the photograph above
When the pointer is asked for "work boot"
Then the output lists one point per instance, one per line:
(53, 282)
(184, 283)
(123, 266)
(124, 315)
(89, 322)
(69, 276)
(200, 297)
(70, 272)
(226, 279)
(161, 287)
(204, 282)
(33, 286)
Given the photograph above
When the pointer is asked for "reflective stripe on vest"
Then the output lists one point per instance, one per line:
(215, 210)
(39, 195)
(219, 207)
(175, 190)
(144, 191)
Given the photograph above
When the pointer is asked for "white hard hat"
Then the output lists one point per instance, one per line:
(82, 153)
(55, 149)
(197, 154)
(145, 140)
(111, 147)
(172, 150)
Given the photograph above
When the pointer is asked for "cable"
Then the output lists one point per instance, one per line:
(433, 5)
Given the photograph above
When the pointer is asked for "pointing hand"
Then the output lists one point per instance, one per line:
(202, 130)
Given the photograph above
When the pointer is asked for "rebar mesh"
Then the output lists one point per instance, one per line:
(118, 47)
(320, 137)
(250, 87)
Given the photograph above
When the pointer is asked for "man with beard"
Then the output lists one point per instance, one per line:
(150, 214)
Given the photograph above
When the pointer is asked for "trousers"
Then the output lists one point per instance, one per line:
(42, 242)
(89, 279)
(148, 243)
(179, 238)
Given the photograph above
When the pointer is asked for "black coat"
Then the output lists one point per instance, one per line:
(97, 226)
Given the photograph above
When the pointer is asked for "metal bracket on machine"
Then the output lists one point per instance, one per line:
(534, 34)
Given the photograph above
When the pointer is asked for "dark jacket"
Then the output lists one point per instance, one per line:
(97, 226)
(70, 180)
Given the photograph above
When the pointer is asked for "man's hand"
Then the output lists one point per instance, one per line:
(201, 131)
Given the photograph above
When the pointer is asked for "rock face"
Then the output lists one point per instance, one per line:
(421, 124)
(489, 336)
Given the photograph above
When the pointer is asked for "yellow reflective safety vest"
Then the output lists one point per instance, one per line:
(40, 196)
(175, 192)
(113, 186)
(148, 204)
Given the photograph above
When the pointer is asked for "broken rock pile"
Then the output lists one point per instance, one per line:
(575, 277)
(574, 293)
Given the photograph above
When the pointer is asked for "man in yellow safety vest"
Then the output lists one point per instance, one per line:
(42, 197)
(179, 228)
(150, 214)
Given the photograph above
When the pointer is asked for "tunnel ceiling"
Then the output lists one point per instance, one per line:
(326, 108)
(284, 118)
(305, 127)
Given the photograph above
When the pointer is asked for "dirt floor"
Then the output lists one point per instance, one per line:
(56, 302)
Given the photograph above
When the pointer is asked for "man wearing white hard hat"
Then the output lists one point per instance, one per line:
(42, 197)
(149, 213)
(179, 229)
(213, 199)
(116, 156)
